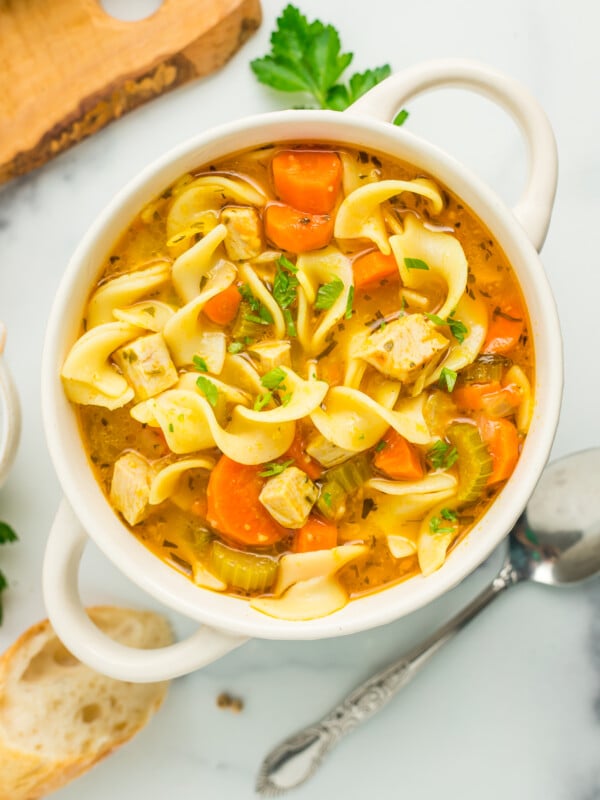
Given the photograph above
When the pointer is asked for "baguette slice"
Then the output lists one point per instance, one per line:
(58, 717)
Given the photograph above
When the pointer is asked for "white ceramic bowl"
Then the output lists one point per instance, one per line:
(229, 621)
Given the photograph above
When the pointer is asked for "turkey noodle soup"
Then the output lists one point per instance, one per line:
(303, 375)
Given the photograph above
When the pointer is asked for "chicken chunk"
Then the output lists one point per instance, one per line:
(269, 355)
(403, 347)
(130, 487)
(289, 497)
(327, 453)
(244, 233)
(146, 365)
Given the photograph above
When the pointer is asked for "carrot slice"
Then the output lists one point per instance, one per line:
(223, 307)
(399, 459)
(301, 458)
(316, 534)
(505, 327)
(233, 505)
(374, 267)
(502, 440)
(308, 179)
(493, 398)
(296, 231)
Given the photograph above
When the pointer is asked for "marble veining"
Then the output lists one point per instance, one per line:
(511, 707)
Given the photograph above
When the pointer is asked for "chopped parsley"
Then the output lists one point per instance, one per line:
(447, 379)
(273, 379)
(457, 328)
(349, 301)
(328, 293)
(442, 455)
(275, 468)
(436, 526)
(285, 287)
(200, 364)
(400, 117)
(208, 389)
(380, 446)
(7, 536)
(415, 263)
(235, 347)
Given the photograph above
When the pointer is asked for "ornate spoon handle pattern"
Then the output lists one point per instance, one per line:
(296, 758)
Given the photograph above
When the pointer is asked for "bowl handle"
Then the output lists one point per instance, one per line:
(10, 414)
(88, 643)
(534, 208)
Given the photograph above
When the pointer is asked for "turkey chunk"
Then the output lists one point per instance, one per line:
(146, 365)
(403, 347)
(289, 497)
(130, 487)
(243, 240)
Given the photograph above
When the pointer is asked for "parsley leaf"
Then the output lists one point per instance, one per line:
(262, 400)
(306, 57)
(442, 455)
(447, 379)
(200, 364)
(7, 534)
(457, 328)
(235, 347)
(349, 301)
(436, 526)
(328, 293)
(400, 117)
(285, 287)
(448, 514)
(273, 379)
(208, 389)
(415, 263)
(274, 468)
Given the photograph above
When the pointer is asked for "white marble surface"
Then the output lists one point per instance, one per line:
(512, 707)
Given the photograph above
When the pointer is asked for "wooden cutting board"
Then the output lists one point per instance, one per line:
(67, 68)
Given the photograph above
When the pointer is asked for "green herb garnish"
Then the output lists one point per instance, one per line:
(275, 468)
(442, 455)
(171, 427)
(328, 293)
(400, 117)
(285, 287)
(436, 526)
(448, 514)
(7, 536)
(262, 400)
(200, 364)
(447, 379)
(415, 263)
(273, 379)
(349, 301)
(235, 347)
(306, 57)
(380, 446)
(208, 389)
(457, 328)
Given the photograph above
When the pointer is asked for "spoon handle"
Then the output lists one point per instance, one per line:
(296, 758)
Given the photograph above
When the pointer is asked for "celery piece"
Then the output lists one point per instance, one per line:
(246, 571)
(351, 474)
(474, 462)
(245, 328)
(487, 367)
(332, 500)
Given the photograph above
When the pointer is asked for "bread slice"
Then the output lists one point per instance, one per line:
(58, 717)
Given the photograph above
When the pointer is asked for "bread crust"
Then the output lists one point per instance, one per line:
(36, 668)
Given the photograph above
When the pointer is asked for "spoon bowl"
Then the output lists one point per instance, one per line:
(556, 541)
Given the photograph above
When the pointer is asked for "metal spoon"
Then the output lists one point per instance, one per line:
(556, 541)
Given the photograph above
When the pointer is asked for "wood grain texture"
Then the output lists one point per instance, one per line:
(67, 69)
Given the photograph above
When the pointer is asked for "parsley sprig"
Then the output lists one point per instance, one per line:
(442, 455)
(285, 291)
(307, 57)
(7, 536)
(328, 293)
